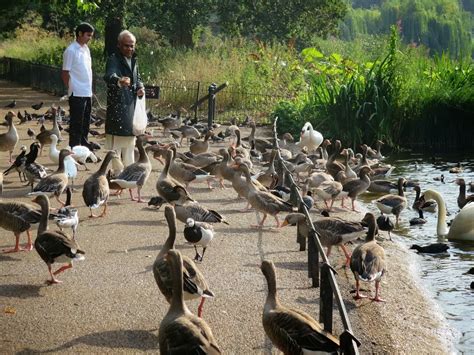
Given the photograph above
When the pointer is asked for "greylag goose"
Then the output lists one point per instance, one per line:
(170, 189)
(428, 206)
(291, 330)
(17, 217)
(332, 231)
(54, 246)
(181, 331)
(393, 204)
(187, 173)
(350, 174)
(135, 175)
(9, 139)
(223, 170)
(333, 166)
(187, 132)
(462, 226)
(170, 122)
(368, 260)
(96, 189)
(198, 233)
(195, 285)
(197, 146)
(462, 199)
(44, 137)
(328, 190)
(269, 178)
(264, 201)
(375, 153)
(382, 186)
(354, 188)
(434, 248)
(1, 183)
(56, 182)
(198, 213)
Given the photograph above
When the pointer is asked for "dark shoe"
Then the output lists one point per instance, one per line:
(93, 146)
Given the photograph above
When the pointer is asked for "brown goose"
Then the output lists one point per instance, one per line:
(195, 285)
(170, 189)
(181, 331)
(54, 246)
(135, 175)
(9, 139)
(368, 260)
(264, 201)
(187, 173)
(56, 182)
(44, 137)
(1, 183)
(261, 144)
(18, 217)
(269, 178)
(223, 170)
(462, 199)
(290, 330)
(333, 166)
(393, 204)
(354, 188)
(96, 188)
(332, 231)
(197, 146)
(329, 190)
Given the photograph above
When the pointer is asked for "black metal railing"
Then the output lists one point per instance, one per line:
(174, 94)
(322, 276)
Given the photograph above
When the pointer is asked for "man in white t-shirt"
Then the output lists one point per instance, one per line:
(77, 76)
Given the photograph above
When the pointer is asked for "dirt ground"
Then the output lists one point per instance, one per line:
(109, 303)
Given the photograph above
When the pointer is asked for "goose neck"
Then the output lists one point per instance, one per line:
(43, 225)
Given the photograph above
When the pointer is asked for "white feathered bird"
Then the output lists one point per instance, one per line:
(309, 137)
(198, 233)
(70, 165)
(82, 153)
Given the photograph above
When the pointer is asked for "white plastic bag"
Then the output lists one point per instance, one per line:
(140, 119)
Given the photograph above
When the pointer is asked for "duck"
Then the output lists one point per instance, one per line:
(418, 220)
(354, 188)
(9, 139)
(309, 137)
(458, 169)
(135, 175)
(198, 233)
(332, 231)
(427, 206)
(197, 147)
(462, 226)
(54, 246)
(170, 189)
(435, 248)
(56, 182)
(291, 330)
(195, 285)
(384, 223)
(68, 216)
(462, 199)
(181, 331)
(393, 204)
(18, 217)
(264, 201)
(367, 262)
(96, 189)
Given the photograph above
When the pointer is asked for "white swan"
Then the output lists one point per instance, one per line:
(462, 227)
(309, 137)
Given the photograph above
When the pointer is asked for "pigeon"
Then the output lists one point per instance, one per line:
(31, 133)
(11, 104)
(37, 106)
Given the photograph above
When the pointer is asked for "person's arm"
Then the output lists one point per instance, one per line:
(140, 86)
(65, 77)
(111, 69)
(68, 57)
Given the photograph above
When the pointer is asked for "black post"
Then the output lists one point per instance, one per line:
(300, 239)
(211, 105)
(198, 91)
(313, 259)
(326, 299)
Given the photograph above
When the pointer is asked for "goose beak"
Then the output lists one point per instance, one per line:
(284, 223)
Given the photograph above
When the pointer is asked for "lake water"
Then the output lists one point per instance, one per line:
(443, 274)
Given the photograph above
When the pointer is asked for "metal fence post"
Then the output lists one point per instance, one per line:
(313, 259)
(198, 92)
(211, 105)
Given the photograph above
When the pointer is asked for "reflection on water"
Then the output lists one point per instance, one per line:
(444, 274)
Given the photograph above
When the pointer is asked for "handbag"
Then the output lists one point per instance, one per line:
(140, 118)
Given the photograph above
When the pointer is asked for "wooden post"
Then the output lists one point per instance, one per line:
(313, 259)
(197, 98)
(302, 240)
(326, 299)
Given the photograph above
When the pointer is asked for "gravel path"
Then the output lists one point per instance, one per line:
(110, 303)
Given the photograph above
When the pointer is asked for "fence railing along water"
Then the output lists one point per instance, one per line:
(322, 275)
(174, 94)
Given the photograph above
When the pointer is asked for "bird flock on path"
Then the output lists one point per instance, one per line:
(246, 164)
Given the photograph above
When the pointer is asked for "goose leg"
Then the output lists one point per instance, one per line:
(104, 212)
(53, 279)
(131, 195)
(278, 222)
(353, 206)
(29, 244)
(59, 200)
(347, 254)
(62, 268)
(358, 295)
(17, 245)
(139, 195)
(203, 251)
(201, 305)
(377, 290)
(197, 256)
